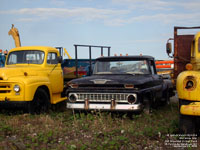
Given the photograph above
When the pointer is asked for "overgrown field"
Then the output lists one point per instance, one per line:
(95, 130)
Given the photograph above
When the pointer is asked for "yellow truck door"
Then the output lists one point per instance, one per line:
(55, 73)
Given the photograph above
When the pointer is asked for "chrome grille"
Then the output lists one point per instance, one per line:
(102, 97)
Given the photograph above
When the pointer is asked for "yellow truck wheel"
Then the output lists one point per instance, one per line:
(40, 102)
(187, 124)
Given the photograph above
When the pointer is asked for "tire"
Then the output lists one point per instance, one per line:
(147, 106)
(40, 103)
(60, 107)
(187, 124)
(166, 99)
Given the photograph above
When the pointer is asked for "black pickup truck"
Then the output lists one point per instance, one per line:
(120, 83)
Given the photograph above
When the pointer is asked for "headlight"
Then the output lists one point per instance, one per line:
(16, 88)
(73, 97)
(131, 98)
(190, 83)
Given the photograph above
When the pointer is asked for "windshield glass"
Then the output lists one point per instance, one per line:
(121, 67)
(26, 57)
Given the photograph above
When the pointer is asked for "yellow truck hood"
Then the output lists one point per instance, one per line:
(16, 71)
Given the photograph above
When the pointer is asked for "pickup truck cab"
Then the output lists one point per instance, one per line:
(33, 77)
(119, 83)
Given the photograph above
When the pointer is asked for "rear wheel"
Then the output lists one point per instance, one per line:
(40, 102)
(167, 98)
(187, 124)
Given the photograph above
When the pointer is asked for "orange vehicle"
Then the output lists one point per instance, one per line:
(165, 68)
(164, 64)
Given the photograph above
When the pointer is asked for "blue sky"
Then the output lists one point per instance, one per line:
(128, 26)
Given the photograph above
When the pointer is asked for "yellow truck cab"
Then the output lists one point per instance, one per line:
(32, 76)
(187, 78)
(188, 88)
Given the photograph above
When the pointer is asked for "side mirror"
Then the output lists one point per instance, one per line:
(59, 59)
(169, 48)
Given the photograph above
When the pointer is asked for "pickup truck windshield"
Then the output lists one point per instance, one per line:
(121, 67)
(26, 57)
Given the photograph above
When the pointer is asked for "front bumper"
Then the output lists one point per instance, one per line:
(13, 104)
(108, 101)
(192, 109)
(104, 106)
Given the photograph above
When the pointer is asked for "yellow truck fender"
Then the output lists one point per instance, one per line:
(31, 87)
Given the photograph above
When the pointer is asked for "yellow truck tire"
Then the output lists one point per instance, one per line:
(40, 102)
(187, 124)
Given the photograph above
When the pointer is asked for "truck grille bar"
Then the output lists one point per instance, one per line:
(101, 97)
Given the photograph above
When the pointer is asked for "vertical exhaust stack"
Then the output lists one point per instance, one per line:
(15, 34)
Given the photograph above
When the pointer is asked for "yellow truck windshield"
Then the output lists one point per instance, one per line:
(26, 57)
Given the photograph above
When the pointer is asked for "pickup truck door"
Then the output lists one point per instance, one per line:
(157, 81)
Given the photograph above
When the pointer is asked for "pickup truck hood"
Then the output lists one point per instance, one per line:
(114, 79)
(9, 72)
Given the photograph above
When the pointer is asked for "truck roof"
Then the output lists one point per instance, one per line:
(134, 57)
(33, 48)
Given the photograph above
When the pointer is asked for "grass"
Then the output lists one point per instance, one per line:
(95, 130)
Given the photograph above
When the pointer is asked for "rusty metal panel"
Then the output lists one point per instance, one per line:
(182, 49)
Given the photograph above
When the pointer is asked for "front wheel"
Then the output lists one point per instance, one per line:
(166, 98)
(40, 103)
(147, 106)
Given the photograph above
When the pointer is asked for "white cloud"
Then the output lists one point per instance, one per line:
(110, 17)
(182, 18)
(181, 12)
(144, 4)
(159, 4)
(84, 14)
(190, 5)
(66, 12)
(176, 19)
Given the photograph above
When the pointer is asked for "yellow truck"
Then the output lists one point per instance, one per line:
(32, 77)
(187, 78)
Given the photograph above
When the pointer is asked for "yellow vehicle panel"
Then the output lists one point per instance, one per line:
(192, 109)
(181, 85)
